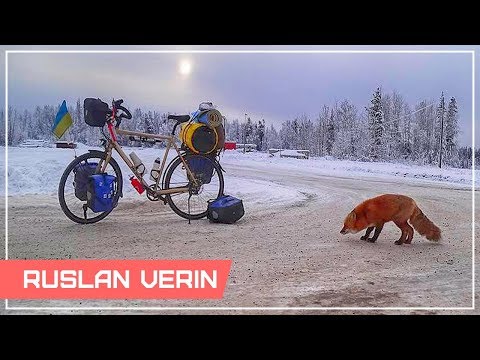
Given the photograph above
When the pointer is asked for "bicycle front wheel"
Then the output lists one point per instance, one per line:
(74, 206)
(193, 204)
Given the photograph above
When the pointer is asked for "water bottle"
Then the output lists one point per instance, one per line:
(155, 172)
(137, 184)
(137, 163)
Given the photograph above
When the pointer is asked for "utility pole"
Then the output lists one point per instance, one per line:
(441, 140)
(245, 133)
(225, 126)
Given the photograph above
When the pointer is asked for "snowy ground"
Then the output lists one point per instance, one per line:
(38, 170)
(345, 168)
(286, 251)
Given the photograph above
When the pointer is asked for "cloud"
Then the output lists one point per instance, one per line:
(274, 86)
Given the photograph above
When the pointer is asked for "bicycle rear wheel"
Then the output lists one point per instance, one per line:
(208, 188)
(71, 205)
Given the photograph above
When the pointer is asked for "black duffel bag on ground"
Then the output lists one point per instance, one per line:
(226, 209)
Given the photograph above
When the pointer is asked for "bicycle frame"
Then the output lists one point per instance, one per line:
(170, 141)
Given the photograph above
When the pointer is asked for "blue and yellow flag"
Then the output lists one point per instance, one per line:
(63, 121)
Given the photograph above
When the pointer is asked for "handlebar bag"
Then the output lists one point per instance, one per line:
(95, 112)
(226, 209)
(81, 173)
(100, 192)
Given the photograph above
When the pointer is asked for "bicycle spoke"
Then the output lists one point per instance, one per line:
(200, 195)
(72, 206)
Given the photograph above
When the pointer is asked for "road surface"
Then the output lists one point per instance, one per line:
(291, 256)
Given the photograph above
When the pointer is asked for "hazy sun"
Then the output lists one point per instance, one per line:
(185, 67)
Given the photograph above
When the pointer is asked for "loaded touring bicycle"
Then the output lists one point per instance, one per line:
(92, 183)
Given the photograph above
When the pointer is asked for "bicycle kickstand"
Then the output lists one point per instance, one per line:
(189, 196)
(85, 207)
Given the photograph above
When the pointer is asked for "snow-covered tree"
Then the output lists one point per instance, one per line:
(330, 134)
(438, 139)
(260, 134)
(395, 148)
(272, 139)
(451, 132)
(345, 145)
(407, 136)
(376, 127)
(423, 133)
(2, 127)
(389, 129)
(320, 132)
(247, 131)
(464, 157)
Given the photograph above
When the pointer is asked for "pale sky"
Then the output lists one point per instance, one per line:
(275, 87)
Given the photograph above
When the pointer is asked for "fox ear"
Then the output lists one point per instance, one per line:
(352, 216)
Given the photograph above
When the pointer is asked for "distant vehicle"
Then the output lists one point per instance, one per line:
(230, 145)
(297, 154)
(32, 143)
(272, 152)
(65, 145)
(247, 147)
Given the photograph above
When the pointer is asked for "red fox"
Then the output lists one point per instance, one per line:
(375, 212)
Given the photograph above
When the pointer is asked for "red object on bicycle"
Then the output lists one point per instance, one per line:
(137, 185)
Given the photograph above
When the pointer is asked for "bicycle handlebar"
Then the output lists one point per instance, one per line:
(127, 115)
(117, 104)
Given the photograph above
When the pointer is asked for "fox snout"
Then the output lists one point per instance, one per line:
(343, 231)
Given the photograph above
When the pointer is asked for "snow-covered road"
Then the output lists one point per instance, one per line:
(287, 251)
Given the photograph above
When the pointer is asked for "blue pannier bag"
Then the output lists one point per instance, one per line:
(101, 192)
(226, 209)
(202, 168)
(82, 171)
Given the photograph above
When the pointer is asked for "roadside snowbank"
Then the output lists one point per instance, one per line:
(38, 171)
(351, 169)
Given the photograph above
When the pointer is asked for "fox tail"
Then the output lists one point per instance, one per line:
(425, 226)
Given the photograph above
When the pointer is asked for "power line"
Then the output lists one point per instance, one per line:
(409, 114)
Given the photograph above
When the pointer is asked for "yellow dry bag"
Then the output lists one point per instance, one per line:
(199, 138)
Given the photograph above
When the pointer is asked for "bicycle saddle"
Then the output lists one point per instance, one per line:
(179, 118)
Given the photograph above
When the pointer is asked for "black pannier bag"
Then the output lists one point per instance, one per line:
(202, 168)
(226, 209)
(82, 171)
(95, 112)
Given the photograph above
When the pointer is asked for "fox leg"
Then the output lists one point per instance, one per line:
(409, 234)
(367, 233)
(378, 230)
(405, 233)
